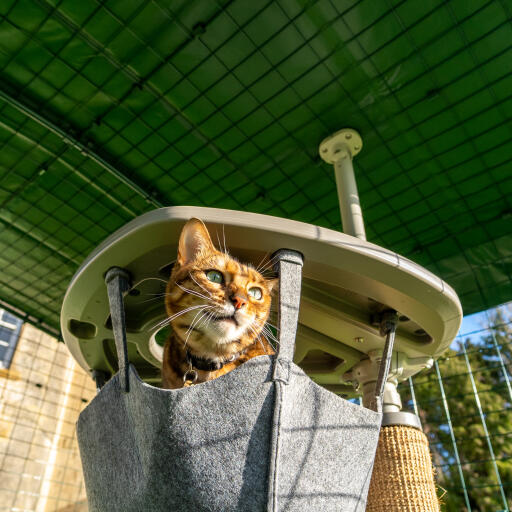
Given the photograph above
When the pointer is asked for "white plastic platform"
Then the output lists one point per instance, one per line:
(347, 281)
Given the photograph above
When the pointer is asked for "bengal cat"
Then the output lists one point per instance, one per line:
(217, 308)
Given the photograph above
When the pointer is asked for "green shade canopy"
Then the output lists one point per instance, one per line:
(108, 111)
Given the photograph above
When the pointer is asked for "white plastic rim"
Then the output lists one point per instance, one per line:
(345, 280)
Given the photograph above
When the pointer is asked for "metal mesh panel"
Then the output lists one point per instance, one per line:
(110, 109)
(464, 403)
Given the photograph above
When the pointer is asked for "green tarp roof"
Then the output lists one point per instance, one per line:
(110, 109)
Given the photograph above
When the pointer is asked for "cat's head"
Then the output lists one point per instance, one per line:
(228, 302)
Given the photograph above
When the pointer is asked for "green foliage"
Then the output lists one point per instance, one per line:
(475, 378)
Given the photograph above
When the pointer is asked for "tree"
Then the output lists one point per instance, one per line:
(476, 379)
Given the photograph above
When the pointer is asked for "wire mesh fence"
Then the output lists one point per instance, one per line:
(108, 109)
(464, 403)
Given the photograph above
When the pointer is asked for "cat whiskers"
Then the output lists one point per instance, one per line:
(262, 261)
(266, 265)
(258, 338)
(224, 237)
(269, 335)
(263, 331)
(272, 325)
(156, 279)
(222, 247)
(209, 317)
(206, 319)
(200, 285)
(157, 296)
(169, 319)
(218, 239)
(193, 292)
(265, 328)
(191, 327)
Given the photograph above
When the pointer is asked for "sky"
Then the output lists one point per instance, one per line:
(472, 324)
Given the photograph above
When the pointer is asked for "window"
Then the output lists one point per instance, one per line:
(10, 327)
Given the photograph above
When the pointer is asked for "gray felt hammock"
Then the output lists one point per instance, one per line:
(263, 437)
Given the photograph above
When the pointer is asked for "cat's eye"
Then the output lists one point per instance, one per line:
(255, 292)
(214, 276)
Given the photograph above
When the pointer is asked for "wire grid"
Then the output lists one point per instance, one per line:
(464, 404)
(108, 110)
(41, 396)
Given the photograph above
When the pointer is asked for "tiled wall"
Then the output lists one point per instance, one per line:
(41, 395)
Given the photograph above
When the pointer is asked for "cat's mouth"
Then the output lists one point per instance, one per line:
(228, 318)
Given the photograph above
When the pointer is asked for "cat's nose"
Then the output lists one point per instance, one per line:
(238, 302)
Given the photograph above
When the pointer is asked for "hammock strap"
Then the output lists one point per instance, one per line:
(118, 283)
(289, 267)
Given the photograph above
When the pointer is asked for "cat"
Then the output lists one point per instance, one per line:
(217, 308)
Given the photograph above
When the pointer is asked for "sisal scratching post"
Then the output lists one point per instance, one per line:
(403, 477)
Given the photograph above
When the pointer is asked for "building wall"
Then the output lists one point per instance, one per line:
(41, 396)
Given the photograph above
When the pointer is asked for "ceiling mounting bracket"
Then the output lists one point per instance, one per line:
(339, 149)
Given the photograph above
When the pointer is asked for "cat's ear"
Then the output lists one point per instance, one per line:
(272, 284)
(194, 240)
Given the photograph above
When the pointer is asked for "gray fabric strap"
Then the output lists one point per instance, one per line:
(118, 283)
(289, 267)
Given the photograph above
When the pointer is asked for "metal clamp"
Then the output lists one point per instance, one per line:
(408, 419)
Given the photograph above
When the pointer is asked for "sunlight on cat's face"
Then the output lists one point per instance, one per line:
(236, 297)
(215, 300)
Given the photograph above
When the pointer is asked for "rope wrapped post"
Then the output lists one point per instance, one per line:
(403, 476)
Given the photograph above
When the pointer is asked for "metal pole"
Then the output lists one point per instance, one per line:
(486, 432)
(350, 208)
(413, 397)
(452, 437)
(387, 328)
(339, 150)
